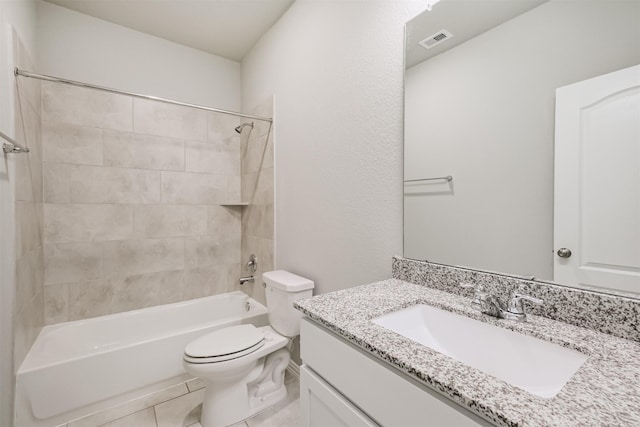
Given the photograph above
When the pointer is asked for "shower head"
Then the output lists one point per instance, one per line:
(242, 126)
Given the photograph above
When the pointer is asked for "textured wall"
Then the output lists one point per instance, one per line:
(133, 193)
(336, 70)
(84, 48)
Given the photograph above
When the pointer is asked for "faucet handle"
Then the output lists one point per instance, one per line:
(516, 305)
(479, 293)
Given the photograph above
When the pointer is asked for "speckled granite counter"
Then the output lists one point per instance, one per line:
(604, 392)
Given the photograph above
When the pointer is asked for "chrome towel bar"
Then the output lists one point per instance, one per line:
(447, 178)
(12, 146)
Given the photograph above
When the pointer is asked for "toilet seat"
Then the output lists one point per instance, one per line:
(225, 344)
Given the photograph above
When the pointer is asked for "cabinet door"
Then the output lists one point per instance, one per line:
(321, 405)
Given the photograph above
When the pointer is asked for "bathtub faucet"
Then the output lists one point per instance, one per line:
(244, 280)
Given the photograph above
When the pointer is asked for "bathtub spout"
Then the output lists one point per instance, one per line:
(244, 280)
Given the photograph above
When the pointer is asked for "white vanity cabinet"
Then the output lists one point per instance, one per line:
(341, 385)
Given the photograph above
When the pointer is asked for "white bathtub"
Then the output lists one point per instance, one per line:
(81, 367)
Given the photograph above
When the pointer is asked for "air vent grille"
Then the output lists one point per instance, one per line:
(436, 39)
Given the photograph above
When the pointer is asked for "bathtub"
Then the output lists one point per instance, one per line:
(84, 366)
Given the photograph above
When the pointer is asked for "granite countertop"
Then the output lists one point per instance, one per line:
(604, 391)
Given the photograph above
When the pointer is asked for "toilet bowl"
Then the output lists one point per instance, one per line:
(243, 366)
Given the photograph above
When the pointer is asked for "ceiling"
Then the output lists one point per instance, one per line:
(227, 28)
(464, 19)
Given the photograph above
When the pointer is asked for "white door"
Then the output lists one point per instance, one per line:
(597, 182)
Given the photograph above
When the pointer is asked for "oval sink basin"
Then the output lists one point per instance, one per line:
(539, 367)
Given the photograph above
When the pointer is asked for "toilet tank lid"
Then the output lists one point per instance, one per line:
(284, 280)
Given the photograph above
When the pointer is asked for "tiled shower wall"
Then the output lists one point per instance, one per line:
(140, 202)
(28, 211)
(258, 192)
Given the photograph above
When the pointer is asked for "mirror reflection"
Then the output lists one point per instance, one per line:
(481, 106)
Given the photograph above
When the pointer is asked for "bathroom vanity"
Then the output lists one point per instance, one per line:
(354, 388)
(358, 373)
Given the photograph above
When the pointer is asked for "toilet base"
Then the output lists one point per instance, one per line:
(226, 403)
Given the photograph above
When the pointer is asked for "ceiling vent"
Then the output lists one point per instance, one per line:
(435, 39)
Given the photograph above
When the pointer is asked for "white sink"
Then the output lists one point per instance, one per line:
(537, 366)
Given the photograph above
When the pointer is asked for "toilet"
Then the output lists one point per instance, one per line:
(243, 366)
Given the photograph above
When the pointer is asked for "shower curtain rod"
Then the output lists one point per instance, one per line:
(12, 146)
(29, 74)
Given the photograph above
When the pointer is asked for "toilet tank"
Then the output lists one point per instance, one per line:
(282, 289)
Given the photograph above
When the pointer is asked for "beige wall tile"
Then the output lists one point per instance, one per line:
(221, 127)
(212, 250)
(267, 161)
(258, 220)
(213, 157)
(28, 325)
(57, 178)
(264, 191)
(263, 249)
(260, 130)
(147, 290)
(87, 223)
(56, 303)
(72, 262)
(253, 156)
(93, 184)
(173, 121)
(180, 412)
(132, 191)
(28, 227)
(170, 220)
(249, 184)
(28, 168)
(251, 245)
(129, 150)
(90, 298)
(65, 143)
(129, 257)
(224, 220)
(210, 280)
(29, 89)
(198, 188)
(90, 184)
(85, 107)
(29, 277)
(266, 251)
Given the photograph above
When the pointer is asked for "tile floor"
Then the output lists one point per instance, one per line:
(284, 414)
(184, 411)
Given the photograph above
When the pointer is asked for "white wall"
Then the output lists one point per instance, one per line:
(336, 69)
(80, 47)
(20, 15)
(484, 112)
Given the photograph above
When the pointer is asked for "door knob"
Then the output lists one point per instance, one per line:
(564, 253)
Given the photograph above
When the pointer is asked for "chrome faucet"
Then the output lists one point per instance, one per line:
(491, 305)
(252, 266)
(244, 280)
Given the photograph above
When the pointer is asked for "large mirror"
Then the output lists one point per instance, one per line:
(480, 133)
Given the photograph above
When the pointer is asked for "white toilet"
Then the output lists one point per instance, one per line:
(243, 366)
